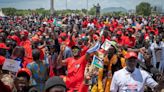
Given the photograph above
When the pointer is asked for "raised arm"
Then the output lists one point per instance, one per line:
(59, 59)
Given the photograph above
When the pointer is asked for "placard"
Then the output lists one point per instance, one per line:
(11, 65)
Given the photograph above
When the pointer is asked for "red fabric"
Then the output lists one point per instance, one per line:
(146, 35)
(120, 41)
(16, 38)
(41, 54)
(24, 32)
(3, 46)
(28, 52)
(131, 54)
(115, 23)
(2, 60)
(130, 42)
(84, 24)
(26, 70)
(83, 88)
(76, 68)
(162, 19)
(84, 50)
(51, 72)
(156, 31)
(103, 39)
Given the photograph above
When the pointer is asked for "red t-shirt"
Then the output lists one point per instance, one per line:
(84, 50)
(103, 39)
(84, 24)
(120, 41)
(76, 68)
(130, 42)
(2, 60)
(28, 52)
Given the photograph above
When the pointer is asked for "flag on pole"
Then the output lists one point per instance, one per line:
(56, 22)
(97, 62)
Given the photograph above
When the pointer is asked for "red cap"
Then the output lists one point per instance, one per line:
(131, 54)
(35, 39)
(130, 30)
(24, 33)
(25, 70)
(3, 46)
(15, 38)
(119, 32)
(1, 30)
(38, 33)
(63, 34)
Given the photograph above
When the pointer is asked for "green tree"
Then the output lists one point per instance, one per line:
(84, 10)
(143, 8)
(9, 11)
(92, 11)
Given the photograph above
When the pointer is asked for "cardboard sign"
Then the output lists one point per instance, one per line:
(97, 62)
(106, 45)
(11, 65)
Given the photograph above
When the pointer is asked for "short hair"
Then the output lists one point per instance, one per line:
(25, 75)
(35, 54)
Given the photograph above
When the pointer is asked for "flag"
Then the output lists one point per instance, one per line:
(97, 62)
(95, 48)
(106, 45)
(56, 22)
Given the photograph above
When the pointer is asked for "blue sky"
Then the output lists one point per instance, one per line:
(74, 4)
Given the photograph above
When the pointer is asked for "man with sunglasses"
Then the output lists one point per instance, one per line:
(132, 79)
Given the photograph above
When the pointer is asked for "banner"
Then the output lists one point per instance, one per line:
(11, 65)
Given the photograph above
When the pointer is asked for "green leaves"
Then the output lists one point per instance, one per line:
(143, 8)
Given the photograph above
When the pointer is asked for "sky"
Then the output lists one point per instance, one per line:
(75, 4)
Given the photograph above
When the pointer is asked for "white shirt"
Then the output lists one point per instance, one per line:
(124, 81)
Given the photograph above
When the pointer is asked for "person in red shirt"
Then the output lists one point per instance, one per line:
(105, 36)
(84, 23)
(3, 49)
(25, 42)
(35, 45)
(76, 67)
(119, 38)
(129, 41)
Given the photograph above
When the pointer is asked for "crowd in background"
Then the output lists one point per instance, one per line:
(65, 45)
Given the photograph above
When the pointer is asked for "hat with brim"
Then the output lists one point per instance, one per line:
(131, 55)
(24, 70)
(3, 46)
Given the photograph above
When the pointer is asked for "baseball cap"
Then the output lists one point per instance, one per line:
(131, 54)
(54, 81)
(24, 70)
(3, 46)
(119, 32)
(24, 32)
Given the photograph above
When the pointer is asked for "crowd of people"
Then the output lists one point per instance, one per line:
(56, 53)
